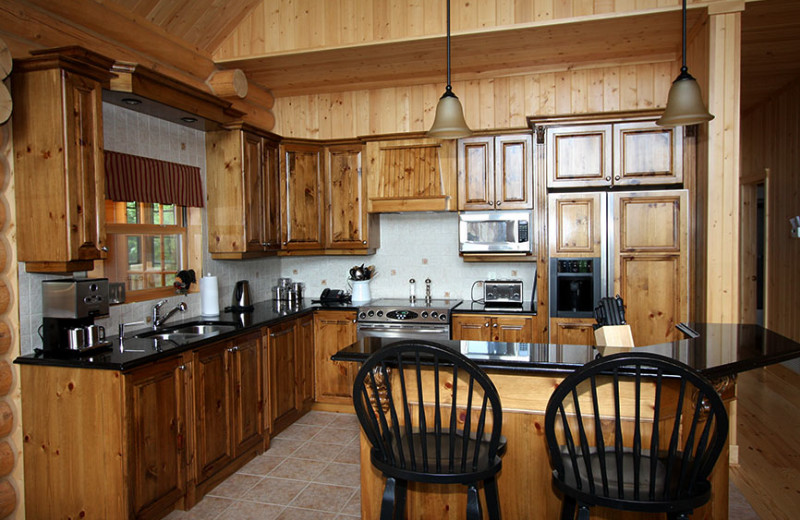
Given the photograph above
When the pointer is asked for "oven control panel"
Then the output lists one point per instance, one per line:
(417, 312)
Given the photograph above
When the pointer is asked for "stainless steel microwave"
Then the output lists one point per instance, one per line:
(495, 231)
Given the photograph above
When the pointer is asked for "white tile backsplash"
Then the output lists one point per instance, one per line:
(413, 245)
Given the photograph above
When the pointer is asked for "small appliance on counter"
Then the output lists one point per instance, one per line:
(241, 297)
(502, 292)
(69, 308)
(288, 291)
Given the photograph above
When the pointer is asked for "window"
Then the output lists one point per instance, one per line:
(147, 246)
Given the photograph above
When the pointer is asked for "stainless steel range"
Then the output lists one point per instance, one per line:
(403, 319)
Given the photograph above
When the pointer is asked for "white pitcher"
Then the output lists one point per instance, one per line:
(360, 291)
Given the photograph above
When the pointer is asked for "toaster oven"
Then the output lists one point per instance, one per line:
(502, 291)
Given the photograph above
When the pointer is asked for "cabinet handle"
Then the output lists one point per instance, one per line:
(616, 177)
(498, 202)
(494, 326)
(104, 249)
(233, 349)
(608, 178)
(364, 242)
(486, 324)
(284, 243)
(182, 367)
(354, 321)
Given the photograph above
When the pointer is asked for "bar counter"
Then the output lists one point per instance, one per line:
(525, 376)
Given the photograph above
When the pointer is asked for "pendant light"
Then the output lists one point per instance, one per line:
(449, 122)
(685, 104)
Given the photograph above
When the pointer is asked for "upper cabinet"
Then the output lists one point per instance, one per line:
(577, 225)
(301, 182)
(416, 174)
(243, 204)
(613, 154)
(495, 172)
(58, 159)
(347, 223)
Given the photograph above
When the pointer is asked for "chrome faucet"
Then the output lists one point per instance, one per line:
(158, 320)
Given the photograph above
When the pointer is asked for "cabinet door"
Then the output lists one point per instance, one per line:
(305, 357)
(513, 329)
(645, 153)
(214, 444)
(578, 156)
(272, 188)
(513, 171)
(576, 224)
(334, 330)
(247, 399)
(301, 201)
(650, 260)
(471, 327)
(345, 199)
(255, 211)
(156, 401)
(283, 390)
(572, 331)
(476, 173)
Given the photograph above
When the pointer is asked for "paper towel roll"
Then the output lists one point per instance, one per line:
(209, 296)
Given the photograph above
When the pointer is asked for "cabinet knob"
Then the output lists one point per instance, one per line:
(354, 321)
(616, 177)
(498, 202)
(364, 242)
(284, 243)
(233, 349)
(608, 178)
(264, 244)
(494, 326)
(104, 249)
(182, 367)
(486, 324)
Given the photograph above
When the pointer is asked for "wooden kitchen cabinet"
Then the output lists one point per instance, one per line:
(305, 356)
(495, 172)
(348, 226)
(243, 192)
(494, 327)
(333, 331)
(302, 209)
(228, 404)
(572, 331)
(577, 224)
(156, 399)
(651, 261)
(58, 159)
(613, 154)
(411, 174)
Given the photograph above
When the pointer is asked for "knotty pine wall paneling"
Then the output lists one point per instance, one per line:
(493, 103)
(769, 138)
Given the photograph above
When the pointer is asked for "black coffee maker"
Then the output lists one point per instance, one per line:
(69, 304)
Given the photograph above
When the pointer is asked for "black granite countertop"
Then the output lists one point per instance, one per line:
(135, 352)
(710, 354)
(467, 307)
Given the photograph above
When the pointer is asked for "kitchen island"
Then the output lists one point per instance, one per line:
(525, 376)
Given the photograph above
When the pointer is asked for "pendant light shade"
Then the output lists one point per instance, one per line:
(685, 104)
(449, 122)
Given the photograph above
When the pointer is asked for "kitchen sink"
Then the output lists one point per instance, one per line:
(187, 332)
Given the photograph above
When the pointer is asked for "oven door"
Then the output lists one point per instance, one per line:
(431, 332)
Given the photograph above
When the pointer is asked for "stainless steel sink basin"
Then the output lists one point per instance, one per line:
(187, 332)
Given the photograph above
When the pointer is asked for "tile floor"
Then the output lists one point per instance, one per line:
(310, 472)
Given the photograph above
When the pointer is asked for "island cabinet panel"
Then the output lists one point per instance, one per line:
(348, 226)
(301, 196)
(651, 251)
(495, 172)
(242, 179)
(333, 331)
(58, 160)
(572, 331)
(576, 224)
(156, 400)
(487, 327)
(411, 175)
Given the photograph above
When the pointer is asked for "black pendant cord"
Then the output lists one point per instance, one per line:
(683, 48)
(449, 87)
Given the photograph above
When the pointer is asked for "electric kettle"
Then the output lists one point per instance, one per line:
(241, 297)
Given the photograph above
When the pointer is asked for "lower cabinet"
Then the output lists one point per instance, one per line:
(572, 331)
(290, 371)
(494, 327)
(333, 331)
(228, 403)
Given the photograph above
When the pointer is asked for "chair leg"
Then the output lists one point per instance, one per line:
(568, 508)
(583, 512)
(492, 498)
(394, 499)
(684, 515)
(473, 503)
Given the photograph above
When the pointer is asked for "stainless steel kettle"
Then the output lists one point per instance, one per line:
(241, 296)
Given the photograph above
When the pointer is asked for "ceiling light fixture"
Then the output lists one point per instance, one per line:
(685, 104)
(131, 101)
(187, 119)
(449, 122)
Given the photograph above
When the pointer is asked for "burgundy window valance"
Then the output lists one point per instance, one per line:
(134, 178)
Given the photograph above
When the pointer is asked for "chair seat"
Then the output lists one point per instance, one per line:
(424, 448)
(628, 482)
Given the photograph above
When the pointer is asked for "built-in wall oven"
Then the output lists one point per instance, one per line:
(402, 319)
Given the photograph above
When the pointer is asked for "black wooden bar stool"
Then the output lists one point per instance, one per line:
(634, 432)
(453, 438)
